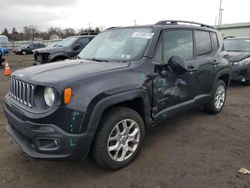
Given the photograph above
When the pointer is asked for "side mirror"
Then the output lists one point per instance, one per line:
(226, 56)
(76, 47)
(178, 65)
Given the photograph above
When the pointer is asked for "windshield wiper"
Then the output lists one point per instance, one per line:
(234, 50)
(98, 60)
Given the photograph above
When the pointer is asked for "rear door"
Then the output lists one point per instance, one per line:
(206, 46)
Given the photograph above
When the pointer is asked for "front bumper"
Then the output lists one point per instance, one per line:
(47, 141)
(240, 72)
(41, 57)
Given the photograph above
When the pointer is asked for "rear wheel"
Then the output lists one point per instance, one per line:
(24, 52)
(119, 139)
(218, 99)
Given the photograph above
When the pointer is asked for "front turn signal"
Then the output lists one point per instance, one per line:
(67, 95)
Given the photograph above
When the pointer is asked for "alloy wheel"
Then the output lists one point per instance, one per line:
(123, 140)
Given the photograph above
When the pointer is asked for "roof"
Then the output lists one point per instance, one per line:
(237, 38)
(234, 25)
(171, 24)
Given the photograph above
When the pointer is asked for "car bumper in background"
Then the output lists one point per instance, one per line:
(240, 72)
(41, 57)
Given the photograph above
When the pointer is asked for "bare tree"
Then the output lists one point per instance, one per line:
(30, 32)
(69, 32)
(55, 31)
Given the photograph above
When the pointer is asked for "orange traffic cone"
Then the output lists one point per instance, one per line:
(7, 71)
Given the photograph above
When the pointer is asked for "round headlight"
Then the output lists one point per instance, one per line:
(49, 96)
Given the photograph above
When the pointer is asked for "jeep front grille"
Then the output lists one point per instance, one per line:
(22, 92)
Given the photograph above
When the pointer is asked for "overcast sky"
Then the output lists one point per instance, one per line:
(107, 13)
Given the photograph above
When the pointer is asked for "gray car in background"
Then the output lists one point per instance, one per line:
(66, 49)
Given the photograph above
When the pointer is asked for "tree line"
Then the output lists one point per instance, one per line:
(32, 33)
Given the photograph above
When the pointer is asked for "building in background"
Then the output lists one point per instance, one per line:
(54, 37)
(236, 29)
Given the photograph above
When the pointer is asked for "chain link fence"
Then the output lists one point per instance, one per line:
(16, 44)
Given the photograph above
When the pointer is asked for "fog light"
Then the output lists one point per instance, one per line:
(47, 144)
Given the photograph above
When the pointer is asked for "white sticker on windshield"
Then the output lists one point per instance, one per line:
(144, 35)
(125, 56)
(247, 40)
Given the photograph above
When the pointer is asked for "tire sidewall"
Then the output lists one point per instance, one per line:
(109, 123)
(218, 84)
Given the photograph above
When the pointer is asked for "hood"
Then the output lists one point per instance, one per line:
(51, 49)
(238, 56)
(65, 70)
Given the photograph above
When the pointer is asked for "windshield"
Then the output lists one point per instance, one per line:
(122, 44)
(66, 42)
(237, 44)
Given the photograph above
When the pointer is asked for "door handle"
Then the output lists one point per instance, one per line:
(192, 68)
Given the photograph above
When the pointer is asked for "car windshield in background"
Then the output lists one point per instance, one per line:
(123, 44)
(24, 46)
(66, 42)
(237, 44)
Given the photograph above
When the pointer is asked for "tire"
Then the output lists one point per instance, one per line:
(215, 104)
(24, 53)
(58, 59)
(109, 134)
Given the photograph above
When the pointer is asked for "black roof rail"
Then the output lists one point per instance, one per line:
(89, 33)
(175, 22)
(111, 28)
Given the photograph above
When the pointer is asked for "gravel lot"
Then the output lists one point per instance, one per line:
(193, 149)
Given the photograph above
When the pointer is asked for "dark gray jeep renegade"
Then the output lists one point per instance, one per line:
(125, 80)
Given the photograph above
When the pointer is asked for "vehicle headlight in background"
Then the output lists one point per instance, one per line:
(49, 96)
(243, 62)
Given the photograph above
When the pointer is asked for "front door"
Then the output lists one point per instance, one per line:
(169, 89)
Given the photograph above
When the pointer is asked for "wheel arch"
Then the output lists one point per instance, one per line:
(224, 75)
(59, 55)
(137, 100)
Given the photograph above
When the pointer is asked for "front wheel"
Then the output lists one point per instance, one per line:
(218, 98)
(119, 138)
(24, 52)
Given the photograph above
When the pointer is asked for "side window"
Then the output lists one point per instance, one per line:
(178, 42)
(203, 43)
(82, 42)
(214, 39)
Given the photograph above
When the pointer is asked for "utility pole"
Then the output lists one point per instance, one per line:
(135, 22)
(89, 26)
(220, 14)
